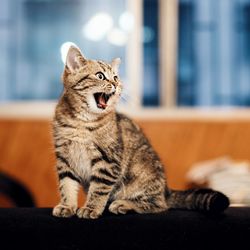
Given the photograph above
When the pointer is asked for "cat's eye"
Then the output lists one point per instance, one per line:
(100, 75)
(116, 78)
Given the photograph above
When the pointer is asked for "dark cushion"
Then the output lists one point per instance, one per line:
(36, 228)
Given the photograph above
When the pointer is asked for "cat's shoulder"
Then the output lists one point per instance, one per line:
(127, 122)
(120, 117)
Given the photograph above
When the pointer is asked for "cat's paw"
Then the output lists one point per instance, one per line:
(64, 211)
(120, 207)
(88, 213)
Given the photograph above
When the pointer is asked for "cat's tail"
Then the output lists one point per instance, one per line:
(206, 200)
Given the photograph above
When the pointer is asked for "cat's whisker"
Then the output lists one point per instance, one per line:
(135, 99)
(130, 101)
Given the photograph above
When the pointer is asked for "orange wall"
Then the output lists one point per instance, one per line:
(26, 150)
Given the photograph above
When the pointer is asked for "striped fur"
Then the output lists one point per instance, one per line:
(107, 153)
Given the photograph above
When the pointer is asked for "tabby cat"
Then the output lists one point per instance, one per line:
(107, 153)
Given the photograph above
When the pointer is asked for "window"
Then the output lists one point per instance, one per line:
(214, 65)
(174, 52)
(33, 31)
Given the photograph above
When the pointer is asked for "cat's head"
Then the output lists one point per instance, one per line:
(94, 85)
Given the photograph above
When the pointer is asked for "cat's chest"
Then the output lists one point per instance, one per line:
(80, 154)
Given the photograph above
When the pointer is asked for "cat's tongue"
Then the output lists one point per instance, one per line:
(101, 102)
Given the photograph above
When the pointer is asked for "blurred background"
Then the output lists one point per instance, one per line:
(185, 68)
(212, 46)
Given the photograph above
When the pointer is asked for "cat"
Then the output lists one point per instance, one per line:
(107, 153)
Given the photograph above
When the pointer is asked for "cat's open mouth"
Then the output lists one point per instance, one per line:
(101, 99)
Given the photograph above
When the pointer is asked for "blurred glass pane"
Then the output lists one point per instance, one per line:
(186, 63)
(37, 30)
(214, 53)
(150, 53)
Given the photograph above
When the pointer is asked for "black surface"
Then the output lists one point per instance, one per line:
(23, 228)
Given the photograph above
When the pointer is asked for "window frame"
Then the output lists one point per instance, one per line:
(168, 49)
(168, 26)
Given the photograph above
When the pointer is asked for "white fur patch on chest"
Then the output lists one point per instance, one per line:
(80, 159)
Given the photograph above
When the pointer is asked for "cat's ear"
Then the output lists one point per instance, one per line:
(115, 64)
(74, 59)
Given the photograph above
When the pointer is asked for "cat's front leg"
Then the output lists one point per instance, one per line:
(68, 187)
(69, 193)
(104, 177)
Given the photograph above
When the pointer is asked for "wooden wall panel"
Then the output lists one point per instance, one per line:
(26, 153)
(182, 143)
(26, 150)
